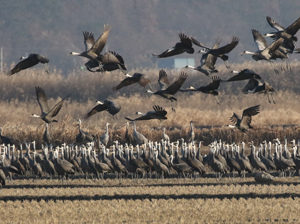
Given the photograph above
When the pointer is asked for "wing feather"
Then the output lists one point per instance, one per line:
(226, 48)
(260, 41)
(251, 111)
(96, 109)
(274, 24)
(89, 40)
(175, 86)
(185, 40)
(42, 99)
(244, 75)
(234, 118)
(101, 41)
(293, 28)
(26, 63)
(56, 108)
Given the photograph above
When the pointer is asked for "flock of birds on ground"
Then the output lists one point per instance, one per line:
(152, 156)
(152, 159)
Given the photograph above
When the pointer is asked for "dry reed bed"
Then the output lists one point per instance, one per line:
(17, 103)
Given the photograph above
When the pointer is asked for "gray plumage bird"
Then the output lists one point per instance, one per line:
(47, 114)
(2, 177)
(157, 113)
(46, 135)
(265, 51)
(171, 89)
(93, 48)
(221, 52)
(244, 74)
(105, 137)
(138, 138)
(244, 123)
(207, 63)
(27, 62)
(107, 105)
(185, 45)
(83, 137)
(288, 33)
(135, 78)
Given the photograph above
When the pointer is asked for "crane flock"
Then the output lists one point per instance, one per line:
(92, 155)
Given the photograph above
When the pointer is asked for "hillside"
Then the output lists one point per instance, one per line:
(139, 28)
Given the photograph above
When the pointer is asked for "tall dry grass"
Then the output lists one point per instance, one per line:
(18, 102)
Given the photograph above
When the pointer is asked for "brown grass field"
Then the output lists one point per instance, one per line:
(82, 89)
(201, 200)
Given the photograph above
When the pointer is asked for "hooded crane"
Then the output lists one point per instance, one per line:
(185, 45)
(138, 138)
(288, 34)
(105, 137)
(109, 61)
(265, 51)
(244, 123)
(83, 137)
(244, 75)
(171, 89)
(207, 63)
(107, 105)
(158, 113)
(27, 62)
(256, 86)
(93, 48)
(135, 78)
(255, 83)
(211, 88)
(47, 114)
(221, 51)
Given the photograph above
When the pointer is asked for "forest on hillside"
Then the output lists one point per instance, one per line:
(139, 28)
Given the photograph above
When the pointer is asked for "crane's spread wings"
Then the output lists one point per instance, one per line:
(89, 40)
(175, 86)
(294, 27)
(213, 85)
(260, 41)
(56, 108)
(170, 52)
(234, 118)
(247, 116)
(187, 42)
(96, 109)
(244, 75)
(276, 44)
(226, 48)
(251, 111)
(112, 57)
(274, 24)
(101, 41)
(250, 86)
(42, 99)
(26, 63)
(160, 110)
(163, 79)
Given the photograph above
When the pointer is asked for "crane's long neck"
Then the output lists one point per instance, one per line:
(75, 53)
(36, 115)
(249, 52)
(192, 127)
